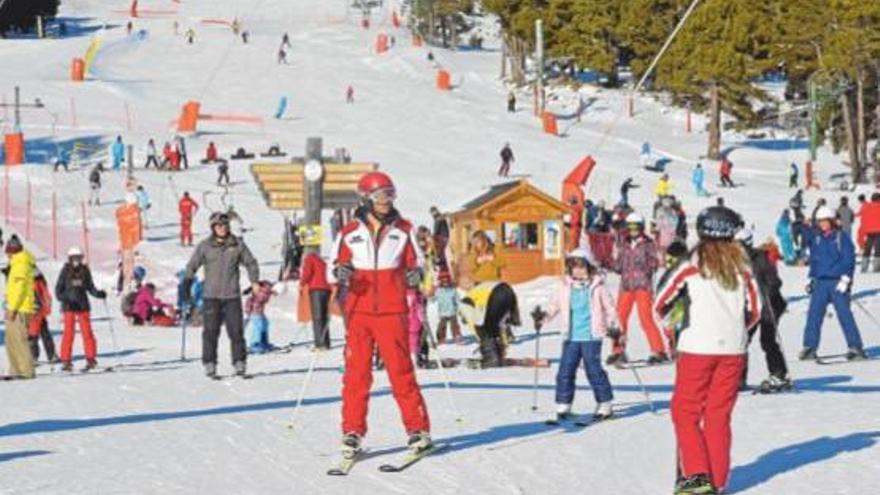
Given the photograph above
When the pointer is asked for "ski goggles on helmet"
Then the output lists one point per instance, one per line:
(382, 195)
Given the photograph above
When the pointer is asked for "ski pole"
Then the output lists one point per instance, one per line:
(538, 316)
(644, 389)
(865, 310)
(112, 332)
(305, 385)
(446, 381)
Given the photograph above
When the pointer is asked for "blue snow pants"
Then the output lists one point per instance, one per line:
(258, 339)
(825, 292)
(591, 354)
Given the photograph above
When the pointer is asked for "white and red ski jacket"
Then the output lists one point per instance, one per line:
(717, 319)
(380, 263)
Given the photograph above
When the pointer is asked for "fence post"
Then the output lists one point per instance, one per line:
(85, 228)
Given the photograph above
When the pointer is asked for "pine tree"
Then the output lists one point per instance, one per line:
(585, 30)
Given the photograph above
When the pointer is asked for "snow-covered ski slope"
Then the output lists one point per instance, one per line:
(158, 426)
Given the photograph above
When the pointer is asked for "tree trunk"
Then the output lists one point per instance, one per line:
(714, 152)
(504, 62)
(860, 119)
(851, 147)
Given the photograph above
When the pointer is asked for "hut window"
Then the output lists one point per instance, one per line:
(520, 235)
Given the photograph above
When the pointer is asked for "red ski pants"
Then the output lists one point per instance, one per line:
(186, 233)
(85, 328)
(642, 300)
(706, 389)
(389, 333)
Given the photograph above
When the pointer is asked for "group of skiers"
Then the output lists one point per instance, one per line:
(29, 304)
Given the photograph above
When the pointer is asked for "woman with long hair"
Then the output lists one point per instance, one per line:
(484, 262)
(721, 304)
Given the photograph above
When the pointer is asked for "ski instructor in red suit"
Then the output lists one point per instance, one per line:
(376, 258)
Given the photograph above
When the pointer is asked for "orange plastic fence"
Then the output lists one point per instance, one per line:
(381, 43)
(189, 117)
(229, 117)
(549, 121)
(444, 80)
(78, 70)
(395, 20)
(13, 148)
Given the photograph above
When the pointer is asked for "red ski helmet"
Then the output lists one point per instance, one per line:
(374, 183)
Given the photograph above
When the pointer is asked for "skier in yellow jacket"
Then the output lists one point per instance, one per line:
(20, 307)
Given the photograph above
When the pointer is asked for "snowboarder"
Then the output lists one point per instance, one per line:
(223, 173)
(588, 315)
(511, 102)
(221, 254)
(314, 281)
(349, 94)
(118, 153)
(724, 170)
(711, 350)
(793, 176)
(285, 41)
(211, 153)
(636, 262)
(95, 184)
(20, 307)
(38, 328)
(375, 254)
(244, 36)
(773, 306)
(832, 263)
(72, 289)
(151, 155)
(188, 209)
(698, 179)
(190, 36)
(255, 309)
(506, 159)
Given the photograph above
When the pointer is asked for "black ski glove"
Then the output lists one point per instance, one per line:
(413, 277)
(101, 294)
(343, 273)
(613, 333)
(186, 291)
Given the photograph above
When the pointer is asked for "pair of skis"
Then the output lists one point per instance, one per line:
(410, 458)
(577, 421)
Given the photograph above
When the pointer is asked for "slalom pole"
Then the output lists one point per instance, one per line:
(538, 316)
(644, 390)
(112, 335)
(316, 354)
(184, 313)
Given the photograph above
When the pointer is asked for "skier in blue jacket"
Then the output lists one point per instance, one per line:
(698, 178)
(783, 232)
(118, 152)
(832, 263)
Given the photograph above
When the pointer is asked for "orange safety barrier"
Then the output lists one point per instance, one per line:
(134, 8)
(444, 80)
(13, 148)
(189, 117)
(381, 43)
(549, 121)
(811, 182)
(229, 117)
(395, 20)
(78, 70)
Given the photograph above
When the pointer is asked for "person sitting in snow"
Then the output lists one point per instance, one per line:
(255, 311)
(149, 309)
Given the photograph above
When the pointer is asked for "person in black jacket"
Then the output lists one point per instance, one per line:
(72, 289)
(773, 305)
(440, 232)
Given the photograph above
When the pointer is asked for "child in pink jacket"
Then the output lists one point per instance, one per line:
(588, 314)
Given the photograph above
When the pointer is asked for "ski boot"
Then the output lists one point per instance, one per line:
(90, 365)
(67, 366)
(351, 445)
(240, 368)
(491, 353)
(563, 412)
(603, 411)
(657, 358)
(616, 358)
(211, 370)
(856, 354)
(807, 354)
(774, 384)
(54, 360)
(697, 484)
(419, 441)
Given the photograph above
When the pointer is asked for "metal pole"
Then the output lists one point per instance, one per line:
(17, 109)
(539, 47)
(314, 188)
(130, 157)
